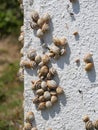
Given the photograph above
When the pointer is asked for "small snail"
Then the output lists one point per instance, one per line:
(53, 99)
(27, 126)
(48, 104)
(29, 116)
(59, 90)
(75, 33)
(39, 92)
(41, 106)
(40, 22)
(45, 59)
(45, 27)
(51, 84)
(35, 16)
(46, 17)
(96, 124)
(47, 95)
(89, 66)
(40, 33)
(86, 118)
(89, 125)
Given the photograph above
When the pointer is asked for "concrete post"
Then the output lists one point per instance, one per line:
(80, 87)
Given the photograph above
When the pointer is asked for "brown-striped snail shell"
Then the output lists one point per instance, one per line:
(35, 16)
(38, 59)
(40, 22)
(59, 90)
(52, 71)
(44, 70)
(89, 125)
(40, 64)
(41, 106)
(87, 58)
(33, 25)
(48, 104)
(54, 49)
(49, 76)
(29, 116)
(39, 92)
(40, 33)
(96, 124)
(47, 95)
(53, 99)
(46, 17)
(88, 66)
(31, 54)
(51, 84)
(56, 41)
(86, 118)
(34, 128)
(45, 27)
(44, 85)
(45, 59)
(27, 64)
(41, 98)
(35, 100)
(27, 126)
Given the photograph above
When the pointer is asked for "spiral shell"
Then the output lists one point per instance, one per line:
(51, 84)
(27, 126)
(29, 116)
(43, 85)
(48, 104)
(33, 25)
(89, 66)
(41, 106)
(34, 128)
(38, 59)
(89, 125)
(59, 90)
(86, 118)
(45, 59)
(35, 100)
(31, 54)
(49, 76)
(44, 70)
(53, 99)
(45, 27)
(52, 71)
(35, 16)
(46, 17)
(87, 58)
(40, 33)
(41, 98)
(40, 22)
(54, 49)
(39, 92)
(47, 95)
(56, 41)
(96, 124)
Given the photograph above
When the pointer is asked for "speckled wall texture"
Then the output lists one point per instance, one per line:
(80, 88)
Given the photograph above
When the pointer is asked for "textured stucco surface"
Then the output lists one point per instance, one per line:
(72, 106)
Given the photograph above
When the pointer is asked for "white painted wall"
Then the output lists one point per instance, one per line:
(68, 112)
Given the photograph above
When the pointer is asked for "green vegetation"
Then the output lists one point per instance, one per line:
(10, 17)
(11, 97)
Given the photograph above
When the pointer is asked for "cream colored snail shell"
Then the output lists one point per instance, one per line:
(39, 92)
(45, 59)
(89, 125)
(59, 90)
(27, 126)
(51, 84)
(31, 54)
(96, 124)
(53, 93)
(40, 22)
(89, 66)
(34, 128)
(21, 37)
(47, 95)
(56, 41)
(53, 99)
(86, 118)
(35, 16)
(38, 59)
(44, 85)
(41, 106)
(46, 17)
(29, 116)
(87, 58)
(54, 49)
(40, 33)
(48, 104)
(33, 25)
(44, 70)
(41, 98)
(52, 71)
(22, 28)
(45, 27)
(63, 41)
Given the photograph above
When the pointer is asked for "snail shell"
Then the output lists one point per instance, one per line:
(38, 84)
(63, 41)
(35, 16)
(56, 41)
(46, 17)
(29, 116)
(43, 85)
(21, 37)
(89, 125)
(96, 124)
(35, 100)
(44, 70)
(25, 63)
(22, 28)
(75, 33)
(40, 33)
(59, 90)
(27, 126)
(41, 99)
(45, 59)
(45, 27)
(34, 128)
(53, 99)
(49, 76)
(47, 95)
(50, 54)
(40, 64)
(88, 66)
(54, 49)
(51, 84)
(40, 22)
(88, 58)
(48, 104)
(41, 106)
(52, 71)
(33, 25)
(86, 118)
(31, 54)
(38, 59)
(53, 93)
(39, 92)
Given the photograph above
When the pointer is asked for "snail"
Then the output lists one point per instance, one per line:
(38, 59)
(48, 104)
(89, 125)
(27, 126)
(75, 33)
(43, 71)
(40, 33)
(51, 84)
(45, 27)
(46, 18)
(60, 41)
(89, 66)
(47, 95)
(40, 22)
(41, 98)
(31, 54)
(39, 92)
(33, 25)
(88, 58)
(29, 116)
(41, 106)
(86, 118)
(53, 99)
(35, 100)
(45, 59)
(44, 85)
(96, 124)
(35, 16)
(59, 90)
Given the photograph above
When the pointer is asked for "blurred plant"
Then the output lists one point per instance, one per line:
(10, 17)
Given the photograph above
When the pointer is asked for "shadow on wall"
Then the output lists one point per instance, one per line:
(76, 7)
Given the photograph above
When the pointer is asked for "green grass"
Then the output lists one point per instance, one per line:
(11, 97)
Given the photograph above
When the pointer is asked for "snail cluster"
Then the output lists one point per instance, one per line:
(88, 62)
(89, 125)
(41, 24)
